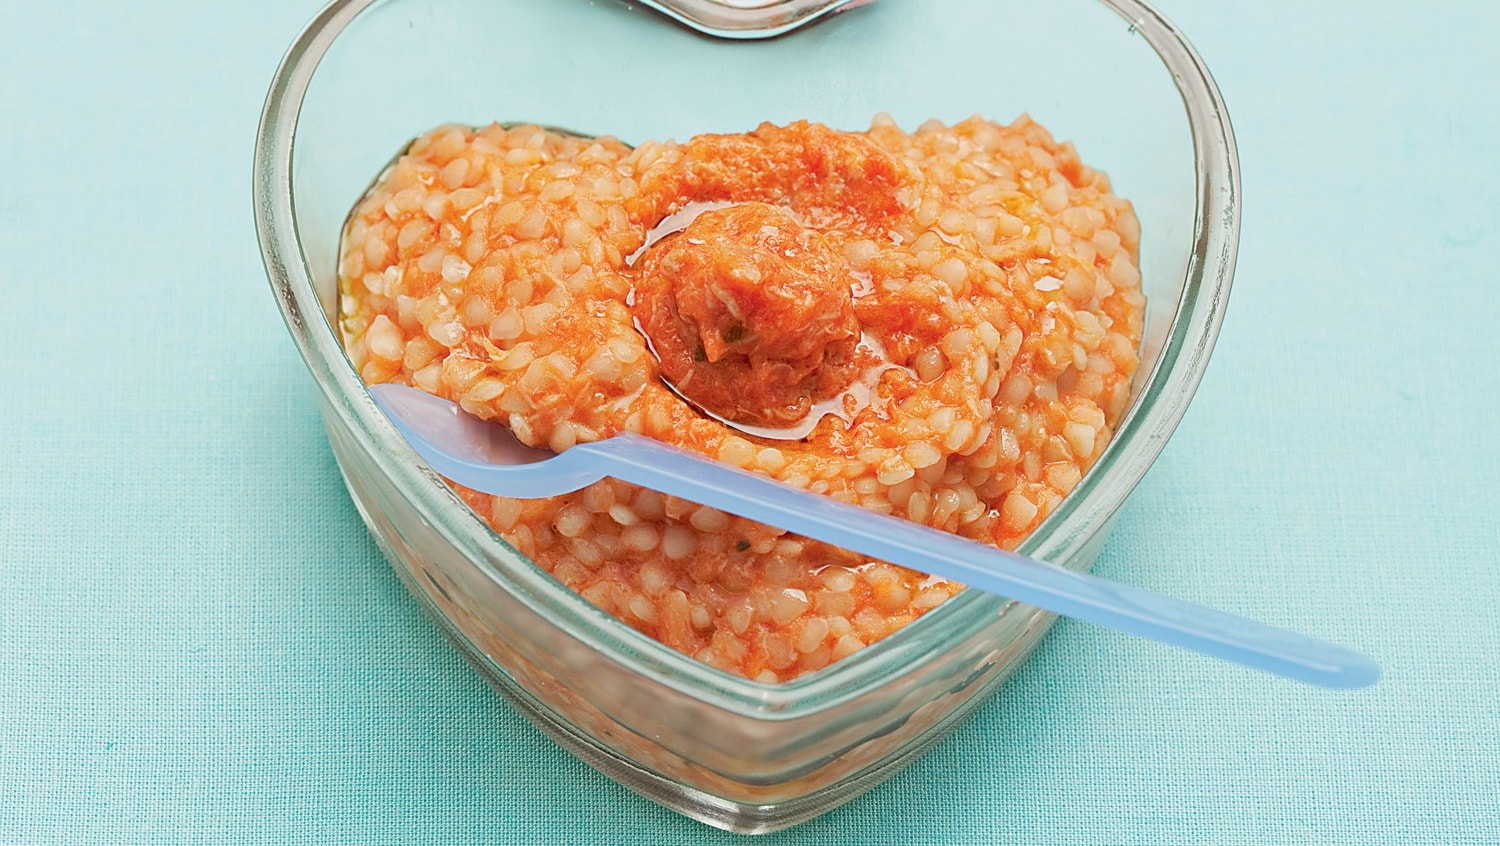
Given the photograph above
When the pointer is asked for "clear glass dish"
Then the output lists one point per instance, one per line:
(368, 75)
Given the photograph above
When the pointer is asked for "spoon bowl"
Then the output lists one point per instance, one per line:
(487, 457)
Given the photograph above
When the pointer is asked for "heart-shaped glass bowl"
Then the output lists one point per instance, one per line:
(368, 75)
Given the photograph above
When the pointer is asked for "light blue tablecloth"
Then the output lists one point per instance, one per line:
(200, 644)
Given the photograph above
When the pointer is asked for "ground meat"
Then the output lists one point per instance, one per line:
(751, 315)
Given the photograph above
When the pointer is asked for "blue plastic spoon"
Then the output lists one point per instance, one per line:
(487, 457)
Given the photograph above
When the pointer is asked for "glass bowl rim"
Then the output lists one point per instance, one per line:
(1138, 440)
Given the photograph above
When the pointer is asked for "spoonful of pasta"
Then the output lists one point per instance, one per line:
(486, 457)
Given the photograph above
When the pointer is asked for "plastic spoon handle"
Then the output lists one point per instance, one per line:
(1079, 595)
(665, 468)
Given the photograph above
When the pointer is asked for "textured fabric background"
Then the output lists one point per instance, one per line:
(200, 644)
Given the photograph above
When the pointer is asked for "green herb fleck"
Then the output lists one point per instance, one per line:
(700, 354)
(741, 545)
(734, 333)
